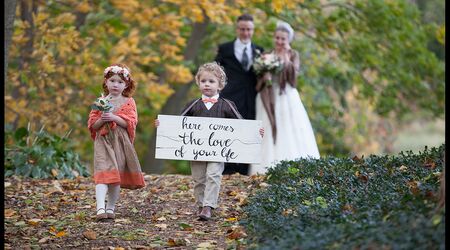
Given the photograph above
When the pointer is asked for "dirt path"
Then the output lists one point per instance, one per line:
(50, 214)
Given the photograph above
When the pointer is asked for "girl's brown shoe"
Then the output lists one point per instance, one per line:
(205, 214)
(101, 216)
(110, 215)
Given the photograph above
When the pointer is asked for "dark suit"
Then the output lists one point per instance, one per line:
(240, 89)
(221, 109)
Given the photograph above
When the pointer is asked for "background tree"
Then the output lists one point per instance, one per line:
(10, 11)
(365, 64)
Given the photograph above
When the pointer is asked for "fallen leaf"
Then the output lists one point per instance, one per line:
(185, 226)
(232, 193)
(176, 242)
(263, 185)
(20, 223)
(44, 240)
(162, 226)
(237, 234)
(7, 184)
(430, 164)
(90, 235)
(60, 234)
(9, 212)
(206, 245)
(54, 172)
(34, 222)
(162, 218)
(75, 173)
(231, 219)
(286, 212)
(126, 221)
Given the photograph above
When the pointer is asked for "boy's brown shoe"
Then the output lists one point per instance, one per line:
(199, 211)
(205, 214)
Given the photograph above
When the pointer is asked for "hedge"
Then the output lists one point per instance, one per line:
(379, 202)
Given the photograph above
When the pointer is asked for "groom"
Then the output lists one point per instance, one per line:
(237, 57)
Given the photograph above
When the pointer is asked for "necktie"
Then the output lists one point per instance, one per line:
(212, 100)
(244, 61)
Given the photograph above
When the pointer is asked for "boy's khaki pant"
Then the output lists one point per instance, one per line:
(207, 179)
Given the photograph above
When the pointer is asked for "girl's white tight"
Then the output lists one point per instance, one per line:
(101, 190)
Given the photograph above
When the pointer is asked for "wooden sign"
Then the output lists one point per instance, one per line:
(208, 139)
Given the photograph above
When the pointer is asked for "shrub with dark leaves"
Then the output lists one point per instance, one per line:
(379, 202)
(40, 155)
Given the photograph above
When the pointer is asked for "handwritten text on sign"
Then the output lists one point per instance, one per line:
(208, 139)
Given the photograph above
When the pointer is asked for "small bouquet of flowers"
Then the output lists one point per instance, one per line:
(267, 63)
(103, 104)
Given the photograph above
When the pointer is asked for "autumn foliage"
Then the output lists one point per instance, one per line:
(359, 72)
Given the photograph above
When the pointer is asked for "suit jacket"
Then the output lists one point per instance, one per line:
(221, 109)
(241, 84)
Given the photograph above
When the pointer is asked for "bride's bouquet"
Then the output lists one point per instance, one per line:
(267, 63)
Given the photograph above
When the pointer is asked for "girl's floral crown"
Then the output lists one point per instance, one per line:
(116, 70)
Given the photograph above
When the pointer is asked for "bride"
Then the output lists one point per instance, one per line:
(289, 134)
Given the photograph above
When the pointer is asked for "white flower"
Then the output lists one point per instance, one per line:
(116, 70)
(267, 63)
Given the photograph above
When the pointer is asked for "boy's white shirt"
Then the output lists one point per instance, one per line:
(209, 104)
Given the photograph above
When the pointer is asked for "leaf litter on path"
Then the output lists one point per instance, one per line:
(50, 214)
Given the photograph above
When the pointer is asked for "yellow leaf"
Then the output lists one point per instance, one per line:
(34, 222)
(60, 234)
(54, 172)
(83, 7)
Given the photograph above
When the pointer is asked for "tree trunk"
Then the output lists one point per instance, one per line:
(10, 13)
(175, 102)
(27, 10)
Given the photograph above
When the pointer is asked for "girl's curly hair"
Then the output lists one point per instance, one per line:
(131, 84)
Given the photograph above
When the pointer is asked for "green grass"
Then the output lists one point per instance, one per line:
(420, 133)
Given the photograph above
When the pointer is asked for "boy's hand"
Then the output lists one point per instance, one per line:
(156, 123)
(261, 132)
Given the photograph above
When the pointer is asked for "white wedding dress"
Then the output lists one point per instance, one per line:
(295, 136)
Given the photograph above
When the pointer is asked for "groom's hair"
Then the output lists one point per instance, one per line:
(245, 17)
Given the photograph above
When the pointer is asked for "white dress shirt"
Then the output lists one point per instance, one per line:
(209, 104)
(239, 48)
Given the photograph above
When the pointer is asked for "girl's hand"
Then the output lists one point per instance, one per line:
(108, 117)
(156, 123)
(261, 132)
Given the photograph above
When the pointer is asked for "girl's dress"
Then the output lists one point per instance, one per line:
(115, 159)
(288, 133)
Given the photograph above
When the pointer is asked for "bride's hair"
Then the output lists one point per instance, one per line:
(283, 26)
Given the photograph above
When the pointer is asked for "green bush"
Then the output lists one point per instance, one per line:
(382, 202)
(41, 155)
